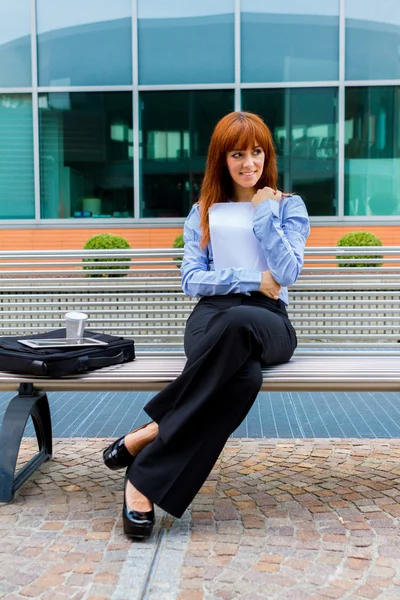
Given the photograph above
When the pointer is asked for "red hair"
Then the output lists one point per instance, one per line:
(237, 130)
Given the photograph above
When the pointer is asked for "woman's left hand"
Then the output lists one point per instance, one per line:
(266, 193)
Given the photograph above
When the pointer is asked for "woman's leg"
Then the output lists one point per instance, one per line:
(197, 412)
(137, 440)
(230, 338)
(172, 472)
(196, 324)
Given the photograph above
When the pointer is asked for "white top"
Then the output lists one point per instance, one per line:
(232, 237)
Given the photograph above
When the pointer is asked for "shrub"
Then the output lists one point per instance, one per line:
(178, 243)
(360, 238)
(105, 241)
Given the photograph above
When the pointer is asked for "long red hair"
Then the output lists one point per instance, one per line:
(237, 130)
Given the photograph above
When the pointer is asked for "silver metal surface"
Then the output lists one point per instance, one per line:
(330, 307)
(35, 109)
(347, 320)
(237, 55)
(62, 343)
(341, 113)
(304, 373)
(135, 113)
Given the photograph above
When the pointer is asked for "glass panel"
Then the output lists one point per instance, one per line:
(304, 124)
(15, 44)
(186, 42)
(84, 42)
(290, 40)
(372, 151)
(17, 196)
(86, 151)
(372, 39)
(175, 132)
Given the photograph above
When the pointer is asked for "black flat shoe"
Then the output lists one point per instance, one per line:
(137, 524)
(117, 455)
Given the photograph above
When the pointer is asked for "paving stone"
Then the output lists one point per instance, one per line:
(225, 549)
(7, 589)
(276, 519)
(192, 595)
(368, 591)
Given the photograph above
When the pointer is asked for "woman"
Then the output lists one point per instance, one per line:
(239, 326)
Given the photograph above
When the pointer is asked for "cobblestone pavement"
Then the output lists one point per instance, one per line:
(300, 519)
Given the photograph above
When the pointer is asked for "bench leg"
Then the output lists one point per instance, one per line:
(27, 403)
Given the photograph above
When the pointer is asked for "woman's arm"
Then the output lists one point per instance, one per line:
(282, 228)
(197, 279)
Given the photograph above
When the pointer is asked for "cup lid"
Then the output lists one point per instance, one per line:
(75, 315)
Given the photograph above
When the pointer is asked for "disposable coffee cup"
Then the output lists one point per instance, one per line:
(75, 325)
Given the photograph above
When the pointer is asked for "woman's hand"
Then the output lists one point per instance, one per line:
(268, 286)
(266, 193)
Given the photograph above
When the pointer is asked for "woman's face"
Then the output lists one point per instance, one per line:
(245, 166)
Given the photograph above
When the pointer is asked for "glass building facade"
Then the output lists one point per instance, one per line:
(107, 108)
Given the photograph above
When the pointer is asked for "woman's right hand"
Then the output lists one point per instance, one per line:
(268, 286)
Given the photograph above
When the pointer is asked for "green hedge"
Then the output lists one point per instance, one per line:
(178, 243)
(360, 238)
(105, 241)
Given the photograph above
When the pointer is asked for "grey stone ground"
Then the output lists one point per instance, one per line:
(301, 519)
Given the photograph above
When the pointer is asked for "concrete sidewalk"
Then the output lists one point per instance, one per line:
(299, 519)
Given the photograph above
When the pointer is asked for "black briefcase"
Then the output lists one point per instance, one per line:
(56, 362)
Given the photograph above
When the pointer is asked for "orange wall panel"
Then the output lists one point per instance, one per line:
(329, 236)
(57, 239)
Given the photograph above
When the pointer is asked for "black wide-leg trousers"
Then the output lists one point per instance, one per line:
(228, 339)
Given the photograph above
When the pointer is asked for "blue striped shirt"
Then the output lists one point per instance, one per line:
(281, 228)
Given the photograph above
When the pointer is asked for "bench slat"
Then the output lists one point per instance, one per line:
(324, 373)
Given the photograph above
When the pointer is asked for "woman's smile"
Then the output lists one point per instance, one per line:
(245, 166)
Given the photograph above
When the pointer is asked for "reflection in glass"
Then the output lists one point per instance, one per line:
(86, 151)
(84, 42)
(292, 40)
(15, 43)
(304, 125)
(175, 132)
(372, 151)
(372, 39)
(186, 42)
(16, 157)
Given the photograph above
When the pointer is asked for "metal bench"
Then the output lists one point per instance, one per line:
(347, 320)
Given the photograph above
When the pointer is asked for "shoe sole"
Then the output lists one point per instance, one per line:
(138, 536)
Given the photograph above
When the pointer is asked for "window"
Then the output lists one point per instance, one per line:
(186, 42)
(304, 126)
(84, 42)
(15, 44)
(372, 39)
(175, 131)
(86, 151)
(290, 40)
(17, 199)
(372, 151)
